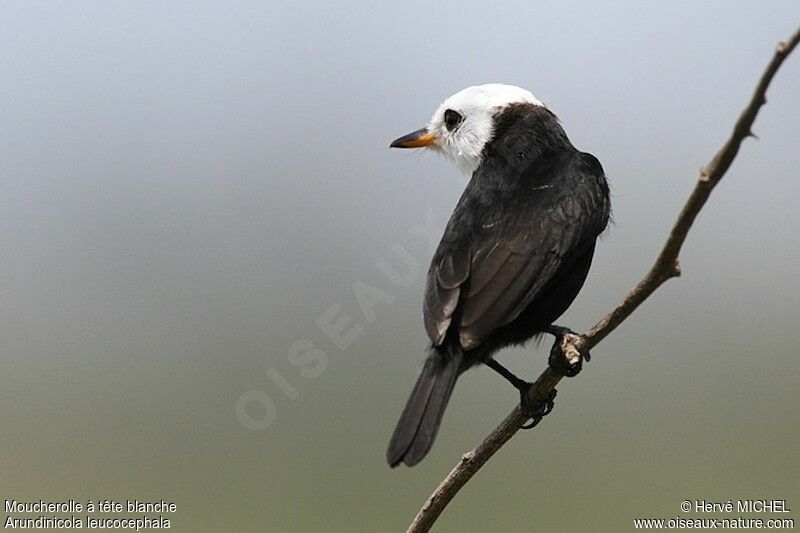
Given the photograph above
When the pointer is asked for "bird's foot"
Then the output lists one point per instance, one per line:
(535, 413)
(566, 355)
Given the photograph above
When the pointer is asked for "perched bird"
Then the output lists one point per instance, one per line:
(515, 252)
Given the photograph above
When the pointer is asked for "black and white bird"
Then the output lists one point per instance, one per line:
(515, 252)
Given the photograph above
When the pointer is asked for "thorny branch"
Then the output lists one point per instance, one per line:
(665, 267)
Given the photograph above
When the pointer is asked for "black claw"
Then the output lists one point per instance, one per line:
(557, 360)
(535, 414)
(558, 331)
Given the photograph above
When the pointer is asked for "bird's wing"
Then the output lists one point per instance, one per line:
(493, 278)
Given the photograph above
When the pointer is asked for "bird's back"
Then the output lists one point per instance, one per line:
(527, 221)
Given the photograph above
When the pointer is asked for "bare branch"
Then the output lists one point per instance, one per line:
(665, 267)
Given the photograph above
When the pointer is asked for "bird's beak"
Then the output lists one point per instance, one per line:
(415, 139)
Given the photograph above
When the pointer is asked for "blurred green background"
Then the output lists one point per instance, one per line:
(188, 187)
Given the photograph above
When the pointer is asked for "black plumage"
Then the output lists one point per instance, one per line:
(513, 257)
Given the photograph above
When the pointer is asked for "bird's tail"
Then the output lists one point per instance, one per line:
(418, 424)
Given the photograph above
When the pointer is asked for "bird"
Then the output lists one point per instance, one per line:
(514, 254)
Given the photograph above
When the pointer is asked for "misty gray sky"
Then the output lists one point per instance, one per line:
(188, 186)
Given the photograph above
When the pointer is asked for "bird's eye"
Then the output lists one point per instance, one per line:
(452, 119)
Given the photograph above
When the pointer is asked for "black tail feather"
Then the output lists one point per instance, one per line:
(419, 423)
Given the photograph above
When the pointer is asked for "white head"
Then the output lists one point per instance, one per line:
(464, 123)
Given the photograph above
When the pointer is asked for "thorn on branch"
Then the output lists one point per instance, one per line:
(676, 268)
